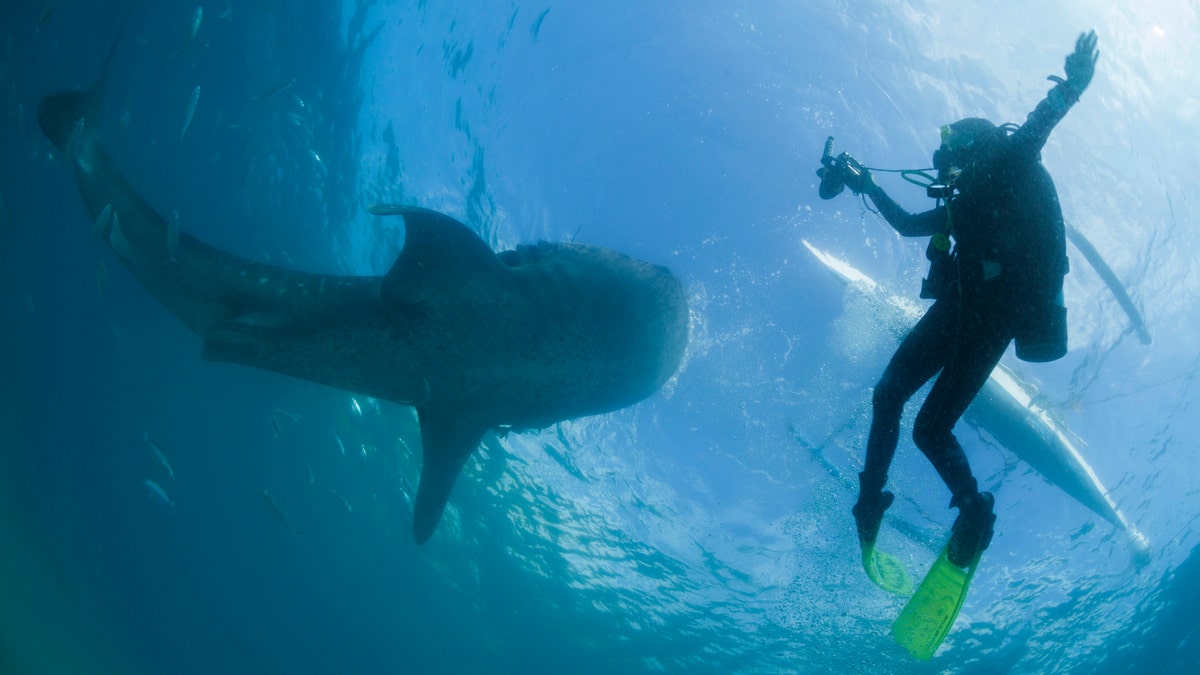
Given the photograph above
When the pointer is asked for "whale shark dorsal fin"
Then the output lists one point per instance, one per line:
(447, 440)
(439, 252)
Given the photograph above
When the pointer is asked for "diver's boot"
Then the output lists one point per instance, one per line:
(873, 500)
(972, 531)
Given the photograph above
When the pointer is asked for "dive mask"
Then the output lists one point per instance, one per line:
(956, 146)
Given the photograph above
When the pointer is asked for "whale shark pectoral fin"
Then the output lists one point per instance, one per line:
(439, 254)
(446, 442)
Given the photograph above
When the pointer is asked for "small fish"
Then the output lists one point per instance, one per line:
(173, 228)
(312, 480)
(46, 12)
(191, 110)
(102, 221)
(271, 91)
(116, 238)
(275, 426)
(157, 492)
(341, 447)
(355, 406)
(159, 455)
(193, 28)
(276, 512)
(342, 499)
(290, 415)
(101, 279)
(73, 142)
(227, 13)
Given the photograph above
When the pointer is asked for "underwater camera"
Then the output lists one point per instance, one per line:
(837, 172)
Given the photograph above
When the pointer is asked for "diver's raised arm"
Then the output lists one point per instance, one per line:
(1080, 66)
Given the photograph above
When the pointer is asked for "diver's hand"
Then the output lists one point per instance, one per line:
(1081, 64)
(860, 181)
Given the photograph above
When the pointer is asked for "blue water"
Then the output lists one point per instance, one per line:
(693, 532)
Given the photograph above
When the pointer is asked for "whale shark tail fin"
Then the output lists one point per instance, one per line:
(59, 114)
(447, 441)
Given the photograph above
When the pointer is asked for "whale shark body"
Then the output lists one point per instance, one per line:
(472, 339)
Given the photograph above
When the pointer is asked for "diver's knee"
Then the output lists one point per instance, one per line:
(887, 398)
(928, 436)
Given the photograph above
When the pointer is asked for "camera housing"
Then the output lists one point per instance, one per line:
(837, 172)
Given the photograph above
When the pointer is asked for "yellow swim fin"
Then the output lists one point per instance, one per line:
(886, 571)
(926, 620)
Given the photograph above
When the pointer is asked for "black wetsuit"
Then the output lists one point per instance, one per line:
(1009, 257)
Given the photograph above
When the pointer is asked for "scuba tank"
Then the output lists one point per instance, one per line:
(1040, 330)
(1033, 277)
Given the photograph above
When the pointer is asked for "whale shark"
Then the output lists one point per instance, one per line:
(473, 339)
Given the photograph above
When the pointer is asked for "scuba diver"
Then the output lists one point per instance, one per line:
(997, 260)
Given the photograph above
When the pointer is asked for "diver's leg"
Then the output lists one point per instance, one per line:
(982, 338)
(919, 357)
(976, 354)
